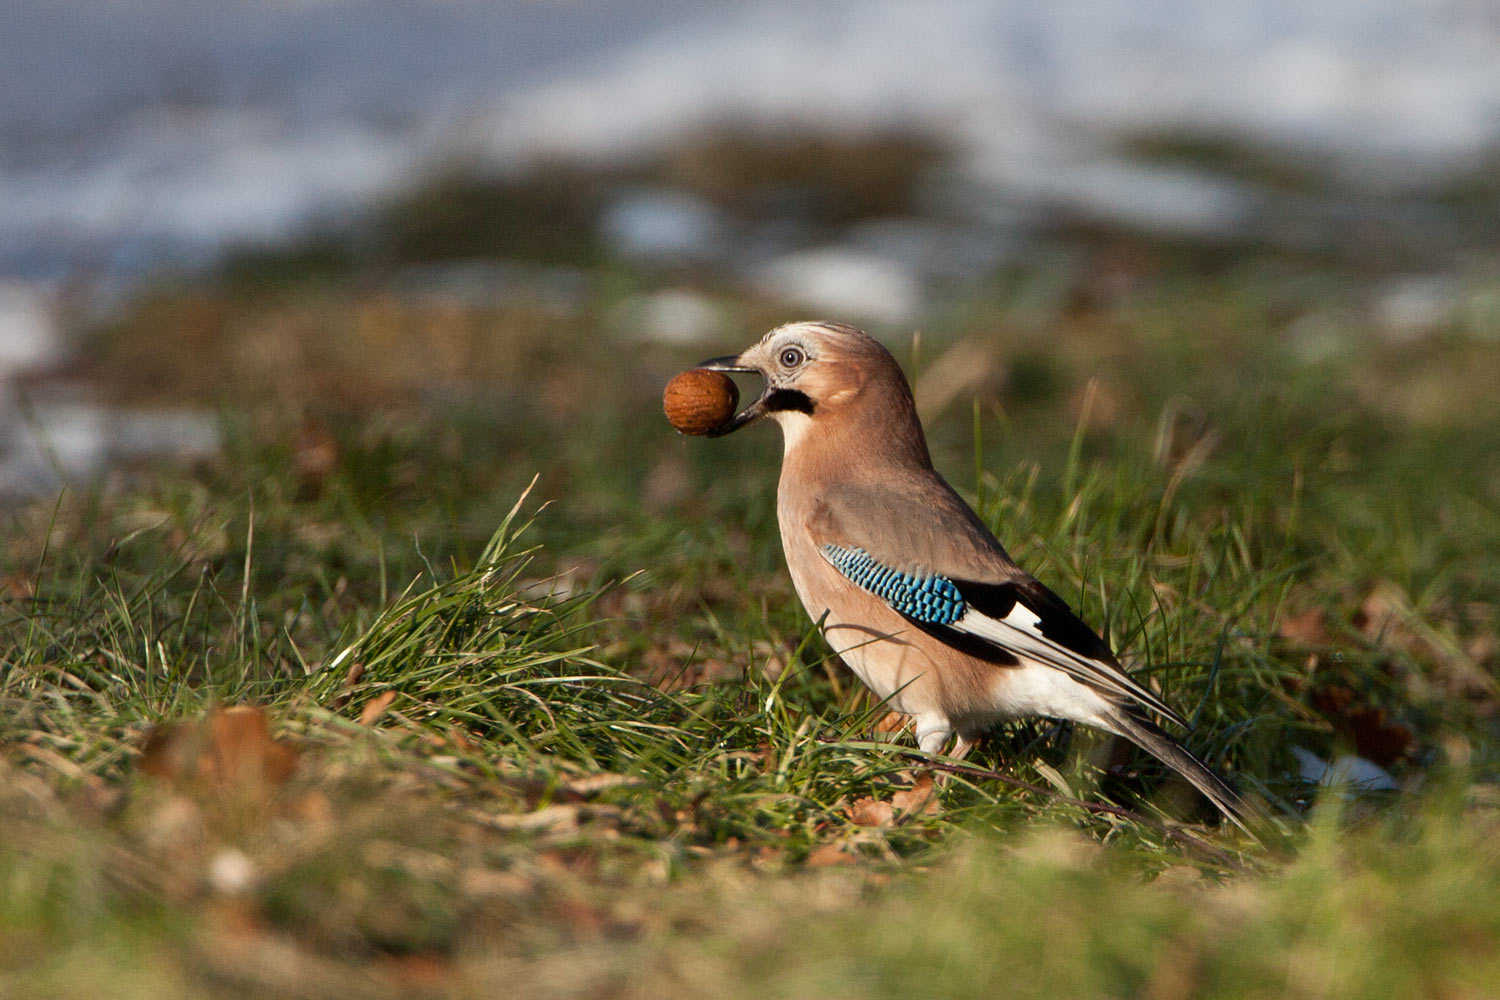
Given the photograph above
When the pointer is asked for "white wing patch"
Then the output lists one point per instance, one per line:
(1020, 617)
(1018, 632)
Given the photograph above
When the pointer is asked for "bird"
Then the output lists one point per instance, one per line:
(911, 588)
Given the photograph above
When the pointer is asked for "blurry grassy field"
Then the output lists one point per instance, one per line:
(600, 752)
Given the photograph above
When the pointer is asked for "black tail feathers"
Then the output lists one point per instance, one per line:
(1160, 744)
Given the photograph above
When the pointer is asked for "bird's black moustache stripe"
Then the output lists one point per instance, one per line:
(789, 399)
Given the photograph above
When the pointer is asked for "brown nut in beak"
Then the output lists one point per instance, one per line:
(700, 401)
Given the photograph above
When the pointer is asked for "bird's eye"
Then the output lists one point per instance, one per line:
(792, 357)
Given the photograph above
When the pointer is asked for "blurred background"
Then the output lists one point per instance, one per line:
(1200, 301)
(337, 203)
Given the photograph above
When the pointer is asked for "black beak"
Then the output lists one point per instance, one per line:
(728, 363)
(750, 413)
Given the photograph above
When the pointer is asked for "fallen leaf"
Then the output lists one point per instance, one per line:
(918, 800)
(1310, 628)
(243, 752)
(314, 810)
(1385, 617)
(375, 708)
(1375, 613)
(314, 457)
(871, 812)
(1375, 736)
(828, 854)
(18, 586)
(1333, 699)
(232, 750)
(355, 674)
(175, 825)
(168, 752)
(459, 741)
(892, 723)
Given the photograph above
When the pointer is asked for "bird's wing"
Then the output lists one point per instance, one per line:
(963, 589)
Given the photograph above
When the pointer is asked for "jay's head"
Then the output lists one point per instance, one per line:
(821, 376)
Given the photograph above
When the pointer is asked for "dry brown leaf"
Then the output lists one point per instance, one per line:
(1375, 613)
(772, 657)
(18, 586)
(1310, 628)
(233, 750)
(459, 740)
(346, 691)
(828, 854)
(175, 825)
(168, 752)
(375, 708)
(243, 751)
(918, 800)
(315, 457)
(871, 812)
(892, 723)
(1385, 616)
(1375, 736)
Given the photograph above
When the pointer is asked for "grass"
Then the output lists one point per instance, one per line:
(600, 751)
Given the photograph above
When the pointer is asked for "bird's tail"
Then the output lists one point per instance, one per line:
(1156, 741)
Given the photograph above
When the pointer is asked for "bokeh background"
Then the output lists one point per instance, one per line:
(1201, 305)
(661, 167)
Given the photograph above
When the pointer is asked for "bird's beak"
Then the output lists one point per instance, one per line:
(749, 414)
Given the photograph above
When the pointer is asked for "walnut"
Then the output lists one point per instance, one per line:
(700, 401)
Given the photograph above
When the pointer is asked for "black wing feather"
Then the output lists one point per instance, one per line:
(1083, 653)
(1058, 622)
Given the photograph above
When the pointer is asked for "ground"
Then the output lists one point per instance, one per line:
(300, 721)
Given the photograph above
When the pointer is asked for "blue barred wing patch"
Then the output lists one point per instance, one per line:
(932, 600)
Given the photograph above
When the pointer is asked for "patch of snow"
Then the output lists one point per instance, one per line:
(1348, 770)
(843, 282)
(29, 337)
(674, 316)
(666, 227)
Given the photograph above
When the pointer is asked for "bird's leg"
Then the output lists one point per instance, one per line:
(929, 740)
(961, 747)
(932, 740)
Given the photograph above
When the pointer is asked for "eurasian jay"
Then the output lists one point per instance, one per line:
(913, 591)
